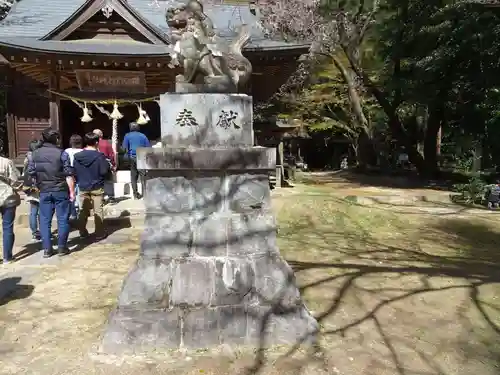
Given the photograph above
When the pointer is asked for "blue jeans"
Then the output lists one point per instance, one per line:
(34, 217)
(59, 202)
(8, 236)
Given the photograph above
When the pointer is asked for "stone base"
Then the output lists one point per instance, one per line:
(138, 330)
(200, 283)
(205, 301)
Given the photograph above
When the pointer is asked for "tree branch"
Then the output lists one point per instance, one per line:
(368, 20)
(354, 97)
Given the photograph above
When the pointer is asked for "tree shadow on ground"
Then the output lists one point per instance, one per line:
(403, 310)
(77, 244)
(383, 179)
(11, 289)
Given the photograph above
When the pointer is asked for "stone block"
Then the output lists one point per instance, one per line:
(137, 330)
(168, 195)
(192, 282)
(209, 327)
(234, 279)
(206, 119)
(148, 283)
(200, 328)
(166, 236)
(248, 192)
(210, 236)
(194, 195)
(288, 327)
(171, 161)
(233, 325)
(275, 282)
(252, 233)
(208, 193)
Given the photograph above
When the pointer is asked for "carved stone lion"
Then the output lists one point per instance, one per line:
(210, 63)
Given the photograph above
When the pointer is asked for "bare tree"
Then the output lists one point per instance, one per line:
(336, 35)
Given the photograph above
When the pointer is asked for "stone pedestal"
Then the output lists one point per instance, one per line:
(209, 271)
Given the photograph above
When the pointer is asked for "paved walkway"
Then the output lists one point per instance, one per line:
(120, 218)
(124, 208)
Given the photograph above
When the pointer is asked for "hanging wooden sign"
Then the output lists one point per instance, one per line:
(111, 80)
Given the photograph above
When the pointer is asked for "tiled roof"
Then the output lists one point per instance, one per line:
(102, 47)
(37, 18)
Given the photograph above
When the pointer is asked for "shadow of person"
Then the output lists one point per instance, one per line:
(112, 225)
(11, 289)
(32, 248)
(77, 243)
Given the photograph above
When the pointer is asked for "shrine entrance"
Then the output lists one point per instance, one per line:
(100, 112)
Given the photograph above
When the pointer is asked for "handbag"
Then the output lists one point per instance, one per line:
(8, 195)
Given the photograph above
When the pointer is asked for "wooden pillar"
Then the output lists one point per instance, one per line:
(10, 118)
(54, 102)
(279, 166)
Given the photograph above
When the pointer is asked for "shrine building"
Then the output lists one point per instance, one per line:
(60, 56)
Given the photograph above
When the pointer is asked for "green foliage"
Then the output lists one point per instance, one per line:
(325, 104)
(437, 57)
(473, 192)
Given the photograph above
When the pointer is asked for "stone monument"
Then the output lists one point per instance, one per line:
(209, 270)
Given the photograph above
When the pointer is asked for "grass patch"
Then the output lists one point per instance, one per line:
(399, 285)
(394, 293)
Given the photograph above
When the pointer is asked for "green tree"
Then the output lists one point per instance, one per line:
(440, 59)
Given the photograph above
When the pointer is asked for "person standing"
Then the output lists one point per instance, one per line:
(51, 168)
(76, 145)
(31, 191)
(9, 200)
(91, 169)
(131, 142)
(107, 149)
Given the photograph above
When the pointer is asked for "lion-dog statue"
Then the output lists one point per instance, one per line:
(210, 63)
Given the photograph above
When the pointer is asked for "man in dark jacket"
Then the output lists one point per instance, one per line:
(91, 168)
(51, 169)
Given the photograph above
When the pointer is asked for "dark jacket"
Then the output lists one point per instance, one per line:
(91, 168)
(50, 166)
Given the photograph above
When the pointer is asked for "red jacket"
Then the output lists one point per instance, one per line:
(106, 148)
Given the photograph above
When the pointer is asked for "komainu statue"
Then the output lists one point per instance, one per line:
(210, 63)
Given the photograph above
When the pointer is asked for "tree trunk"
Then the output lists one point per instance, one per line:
(421, 118)
(395, 125)
(477, 154)
(430, 148)
(367, 156)
(431, 142)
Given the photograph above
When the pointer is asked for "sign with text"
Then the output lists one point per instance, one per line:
(111, 80)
